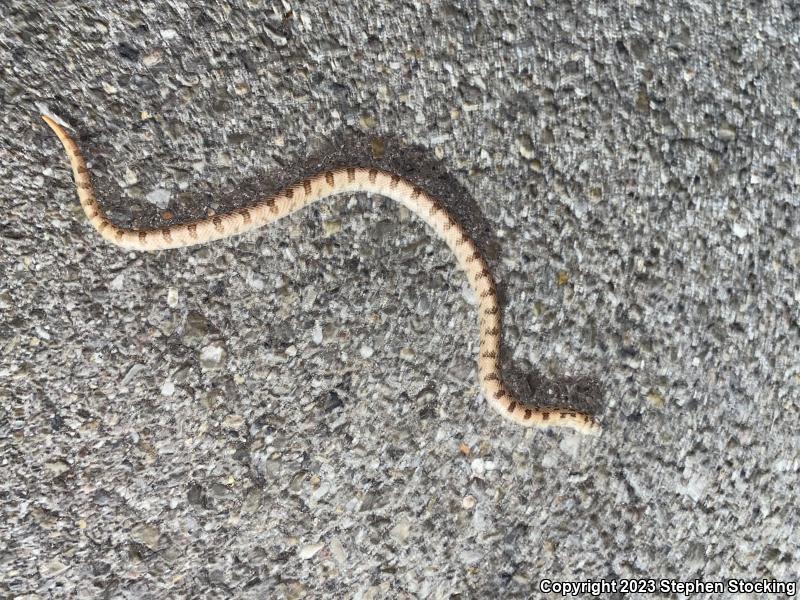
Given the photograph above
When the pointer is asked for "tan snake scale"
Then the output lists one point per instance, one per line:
(328, 183)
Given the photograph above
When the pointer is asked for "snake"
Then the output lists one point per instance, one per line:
(327, 183)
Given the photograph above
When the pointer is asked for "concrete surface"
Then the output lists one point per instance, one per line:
(296, 413)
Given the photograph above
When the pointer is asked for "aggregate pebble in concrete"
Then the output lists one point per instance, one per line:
(296, 413)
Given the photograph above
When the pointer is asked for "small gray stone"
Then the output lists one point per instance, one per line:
(146, 534)
(159, 197)
(212, 357)
(52, 568)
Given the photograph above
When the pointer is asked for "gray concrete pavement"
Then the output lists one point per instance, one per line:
(296, 413)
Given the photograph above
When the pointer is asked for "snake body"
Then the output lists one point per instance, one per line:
(322, 185)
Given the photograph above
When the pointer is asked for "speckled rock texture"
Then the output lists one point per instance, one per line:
(296, 413)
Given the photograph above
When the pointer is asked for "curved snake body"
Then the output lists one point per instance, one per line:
(328, 183)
